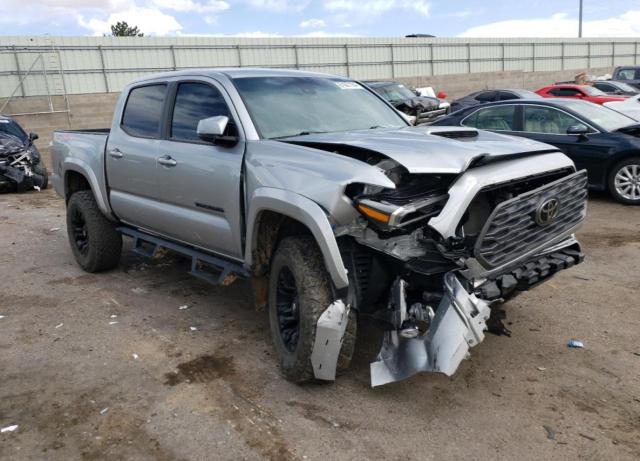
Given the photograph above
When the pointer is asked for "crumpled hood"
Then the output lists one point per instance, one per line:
(10, 145)
(417, 103)
(421, 151)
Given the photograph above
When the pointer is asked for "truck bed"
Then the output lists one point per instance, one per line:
(80, 150)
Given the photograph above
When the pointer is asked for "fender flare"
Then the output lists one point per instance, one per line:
(79, 166)
(306, 211)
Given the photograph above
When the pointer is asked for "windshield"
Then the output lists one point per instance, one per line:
(291, 106)
(593, 91)
(395, 92)
(12, 128)
(608, 119)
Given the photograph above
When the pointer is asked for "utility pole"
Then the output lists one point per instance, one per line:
(580, 21)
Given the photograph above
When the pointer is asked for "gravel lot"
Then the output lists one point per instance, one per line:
(109, 367)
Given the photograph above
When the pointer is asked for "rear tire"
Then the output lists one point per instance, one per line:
(95, 243)
(299, 292)
(624, 181)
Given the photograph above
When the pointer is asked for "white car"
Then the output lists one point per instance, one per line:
(629, 107)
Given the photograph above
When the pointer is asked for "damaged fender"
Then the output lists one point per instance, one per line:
(330, 330)
(459, 323)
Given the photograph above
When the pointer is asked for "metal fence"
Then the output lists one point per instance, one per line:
(76, 65)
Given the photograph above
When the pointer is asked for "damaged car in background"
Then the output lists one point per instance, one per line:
(21, 168)
(337, 209)
(422, 108)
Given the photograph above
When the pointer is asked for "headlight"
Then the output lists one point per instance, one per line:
(398, 216)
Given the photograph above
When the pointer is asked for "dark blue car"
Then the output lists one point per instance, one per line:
(600, 140)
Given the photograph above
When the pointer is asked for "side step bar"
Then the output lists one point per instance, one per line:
(211, 269)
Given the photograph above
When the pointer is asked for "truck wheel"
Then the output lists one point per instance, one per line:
(94, 240)
(299, 292)
(624, 181)
(41, 176)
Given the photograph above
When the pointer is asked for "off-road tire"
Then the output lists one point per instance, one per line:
(41, 176)
(612, 180)
(104, 244)
(303, 259)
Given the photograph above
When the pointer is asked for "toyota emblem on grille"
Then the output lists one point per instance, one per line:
(547, 211)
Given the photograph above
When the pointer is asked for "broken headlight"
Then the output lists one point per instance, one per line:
(393, 215)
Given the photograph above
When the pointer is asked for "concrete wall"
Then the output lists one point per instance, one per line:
(40, 65)
(96, 110)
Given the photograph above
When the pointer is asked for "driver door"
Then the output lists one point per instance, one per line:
(200, 181)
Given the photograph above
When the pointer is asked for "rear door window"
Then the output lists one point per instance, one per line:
(142, 114)
(564, 92)
(195, 102)
(487, 96)
(607, 88)
(499, 118)
(507, 96)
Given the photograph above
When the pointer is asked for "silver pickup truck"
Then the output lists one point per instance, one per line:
(338, 210)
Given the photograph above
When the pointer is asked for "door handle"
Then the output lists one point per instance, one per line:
(116, 153)
(166, 160)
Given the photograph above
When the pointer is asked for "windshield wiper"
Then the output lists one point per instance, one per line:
(302, 133)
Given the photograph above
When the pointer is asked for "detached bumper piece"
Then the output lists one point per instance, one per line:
(14, 179)
(459, 324)
(532, 273)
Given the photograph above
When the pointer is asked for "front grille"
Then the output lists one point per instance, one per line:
(512, 229)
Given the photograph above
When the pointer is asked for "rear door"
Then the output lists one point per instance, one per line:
(200, 181)
(495, 118)
(131, 156)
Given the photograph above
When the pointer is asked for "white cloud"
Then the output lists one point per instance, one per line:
(279, 5)
(209, 6)
(150, 21)
(313, 23)
(560, 25)
(377, 7)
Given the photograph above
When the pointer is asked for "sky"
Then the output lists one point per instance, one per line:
(324, 18)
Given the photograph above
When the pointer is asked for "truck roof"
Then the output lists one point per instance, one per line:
(235, 72)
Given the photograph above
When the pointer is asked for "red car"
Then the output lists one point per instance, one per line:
(584, 92)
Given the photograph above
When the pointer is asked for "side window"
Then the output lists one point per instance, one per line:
(605, 87)
(487, 96)
(626, 74)
(143, 111)
(507, 96)
(564, 92)
(194, 102)
(499, 118)
(547, 120)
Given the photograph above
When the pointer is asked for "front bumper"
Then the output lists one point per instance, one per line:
(461, 318)
(459, 324)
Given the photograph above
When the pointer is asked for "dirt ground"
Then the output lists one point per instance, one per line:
(109, 367)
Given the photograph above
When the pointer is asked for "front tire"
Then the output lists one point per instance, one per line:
(95, 243)
(41, 176)
(299, 292)
(624, 181)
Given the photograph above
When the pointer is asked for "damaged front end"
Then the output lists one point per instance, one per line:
(432, 260)
(20, 168)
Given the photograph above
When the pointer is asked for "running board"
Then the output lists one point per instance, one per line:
(211, 269)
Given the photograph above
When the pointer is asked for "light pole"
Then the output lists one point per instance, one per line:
(580, 21)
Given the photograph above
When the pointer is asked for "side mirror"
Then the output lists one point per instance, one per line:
(579, 129)
(212, 129)
(33, 136)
